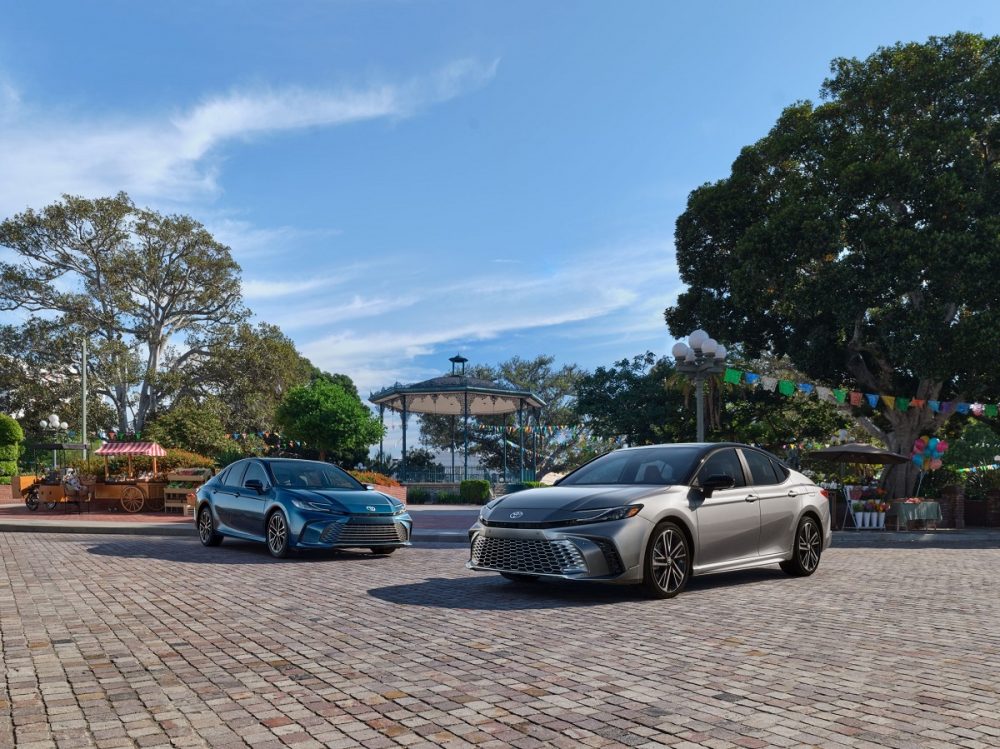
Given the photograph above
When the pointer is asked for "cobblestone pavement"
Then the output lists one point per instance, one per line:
(126, 641)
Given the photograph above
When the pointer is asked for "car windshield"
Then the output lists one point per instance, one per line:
(294, 474)
(672, 464)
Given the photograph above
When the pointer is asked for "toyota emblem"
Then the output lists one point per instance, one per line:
(371, 508)
(516, 515)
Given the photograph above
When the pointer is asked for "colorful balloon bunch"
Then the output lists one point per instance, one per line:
(927, 452)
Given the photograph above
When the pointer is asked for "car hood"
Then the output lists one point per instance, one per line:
(553, 503)
(347, 500)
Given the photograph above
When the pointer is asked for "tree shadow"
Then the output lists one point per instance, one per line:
(491, 592)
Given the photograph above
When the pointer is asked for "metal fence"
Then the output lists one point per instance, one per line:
(454, 477)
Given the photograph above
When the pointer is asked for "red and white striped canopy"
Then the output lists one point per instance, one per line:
(131, 448)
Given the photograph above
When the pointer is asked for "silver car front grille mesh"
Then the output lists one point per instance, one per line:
(529, 556)
(358, 534)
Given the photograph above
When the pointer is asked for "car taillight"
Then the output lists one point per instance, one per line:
(824, 493)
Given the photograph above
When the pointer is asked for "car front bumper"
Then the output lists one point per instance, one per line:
(606, 552)
(355, 531)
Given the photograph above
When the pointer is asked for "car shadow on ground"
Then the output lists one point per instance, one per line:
(229, 552)
(489, 592)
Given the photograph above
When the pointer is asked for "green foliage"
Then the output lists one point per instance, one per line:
(975, 445)
(8, 468)
(93, 467)
(128, 278)
(10, 452)
(10, 431)
(860, 236)
(330, 419)
(631, 399)
(189, 425)
(474, 491)
(373, 477)
(449, 498)
(417, 496)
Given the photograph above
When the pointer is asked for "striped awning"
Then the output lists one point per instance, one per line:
(131, 448)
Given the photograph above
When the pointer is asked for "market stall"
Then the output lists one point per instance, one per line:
(131, 491)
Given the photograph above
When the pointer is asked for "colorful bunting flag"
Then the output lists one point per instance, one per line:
(786, 387)
(768, 383)
(902, 403)
(889, 400)
(732, 376)
(855, 398)
(806, 387)
(872, 399)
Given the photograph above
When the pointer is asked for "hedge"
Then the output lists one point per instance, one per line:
(10, 431)
(474, 491)
(8, 467)
(10, 452)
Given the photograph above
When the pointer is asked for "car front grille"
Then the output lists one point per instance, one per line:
(353, 533)
(529, 556)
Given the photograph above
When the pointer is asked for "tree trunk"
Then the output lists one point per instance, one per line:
(901, 480)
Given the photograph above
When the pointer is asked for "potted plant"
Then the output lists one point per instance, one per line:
(857, 507)
(882, 508)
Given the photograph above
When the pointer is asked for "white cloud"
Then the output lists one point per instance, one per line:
(173, 158)
(271, 289)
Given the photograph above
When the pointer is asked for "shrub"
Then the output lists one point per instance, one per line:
(449, 498)
(372, 477)
(417, 496)
(175, 458)
(10, 452)
(4, 480)
(522, 485)
(10, 431)
(474, 491)
(91, 467)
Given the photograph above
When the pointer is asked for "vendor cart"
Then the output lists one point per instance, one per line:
(131, 493)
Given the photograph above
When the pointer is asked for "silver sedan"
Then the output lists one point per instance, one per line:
(655, 516)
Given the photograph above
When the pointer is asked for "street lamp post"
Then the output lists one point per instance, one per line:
(54, 424)
(700, 358)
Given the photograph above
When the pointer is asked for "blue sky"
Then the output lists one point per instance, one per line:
(404, 180)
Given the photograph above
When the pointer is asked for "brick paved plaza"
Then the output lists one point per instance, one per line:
(142, 641)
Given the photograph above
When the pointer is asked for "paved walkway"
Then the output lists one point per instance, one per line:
(143, 642)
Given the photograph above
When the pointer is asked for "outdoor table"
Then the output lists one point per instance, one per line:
(907, 511)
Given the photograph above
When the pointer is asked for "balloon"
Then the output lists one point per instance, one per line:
(919, 445)
(933, 442)
(942, 446)
(925, 438)
(935, 464)
(918, 461)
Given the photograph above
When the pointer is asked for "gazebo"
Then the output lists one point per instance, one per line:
(457, 394)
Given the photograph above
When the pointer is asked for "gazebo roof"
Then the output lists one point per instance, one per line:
(447, 395)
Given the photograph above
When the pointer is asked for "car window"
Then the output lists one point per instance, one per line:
(256, 471)
(671, 464)
(307, 474)
(234, 476)
(655, 472)
(781, 471)
(723, 462)
(761, 470)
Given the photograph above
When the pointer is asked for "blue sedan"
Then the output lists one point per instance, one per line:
(299, 504)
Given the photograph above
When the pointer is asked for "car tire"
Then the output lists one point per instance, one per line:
(666, 568)
(277, 534)
(517, 577)
(806, 549)
(31, 500)
(206, 528)
(382, 550)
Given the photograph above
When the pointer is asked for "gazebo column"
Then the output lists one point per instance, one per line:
(381, 420)
(453, 447)
(520, 431)
(503, 441)
(403, 466)
(534, 449)
(465, 419)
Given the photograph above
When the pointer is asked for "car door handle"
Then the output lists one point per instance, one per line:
(752, 498)
(792, 493)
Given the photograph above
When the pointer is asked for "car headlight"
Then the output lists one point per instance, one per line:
(305, 504)
(615, 513)
(485, 511)
(398, 509)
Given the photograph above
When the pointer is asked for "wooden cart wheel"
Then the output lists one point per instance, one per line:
(132, 499)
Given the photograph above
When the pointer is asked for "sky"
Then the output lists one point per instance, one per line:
(403, 181)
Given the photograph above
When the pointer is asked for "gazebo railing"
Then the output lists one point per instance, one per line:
(447, 476)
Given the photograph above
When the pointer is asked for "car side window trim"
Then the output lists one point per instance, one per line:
(739, 461)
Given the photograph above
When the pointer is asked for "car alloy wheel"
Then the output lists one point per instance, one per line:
(277, 535)
(668, 561)
(807, 549)
(206, 528)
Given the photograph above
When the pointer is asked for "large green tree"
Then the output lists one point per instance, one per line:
(132, 281)
(329, 419)
(190, 425)
(861, 237)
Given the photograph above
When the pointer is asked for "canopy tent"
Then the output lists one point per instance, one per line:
(457, 394)
(855, 452)
(129, 449)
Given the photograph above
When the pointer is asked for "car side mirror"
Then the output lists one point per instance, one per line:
(715, 482)
(255, 484)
